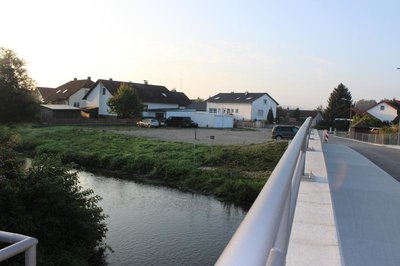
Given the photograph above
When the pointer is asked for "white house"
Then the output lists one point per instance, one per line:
(384, 111)
(156, 99)
(242, 106)
(70, 93)
(204, 119)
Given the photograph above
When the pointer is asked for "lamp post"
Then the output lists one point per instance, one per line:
(398, 116)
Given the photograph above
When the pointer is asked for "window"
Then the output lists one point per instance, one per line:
(249, 98)
(260, 112)
(219, 110)
(238, 98)
(213, 110)
(65, 91)
(145, 107)
(104, 91)
(232, 111)
(165, 95)
(265, 101)
(58, 91)
(76, 104)
(217, 98)
(382, 107)
(237, 110)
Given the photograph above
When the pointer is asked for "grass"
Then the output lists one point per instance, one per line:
(232, 173)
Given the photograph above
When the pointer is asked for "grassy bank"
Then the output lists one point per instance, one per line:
(232, 173)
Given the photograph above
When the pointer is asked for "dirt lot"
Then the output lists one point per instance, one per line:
(201, 135)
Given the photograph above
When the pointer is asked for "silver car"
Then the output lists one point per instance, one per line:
(148, 122)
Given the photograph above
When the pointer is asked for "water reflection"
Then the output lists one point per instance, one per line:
(153, 225)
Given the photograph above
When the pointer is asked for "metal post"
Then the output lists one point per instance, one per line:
(30, 256)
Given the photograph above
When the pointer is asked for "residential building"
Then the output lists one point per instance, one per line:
(385, 110)
(70, 93)
(243, 106)
(43, 93)
(155, 98)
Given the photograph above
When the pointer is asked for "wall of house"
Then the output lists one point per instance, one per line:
(244, 109)
(93, 98)
(388, 114)
(77, 98)
(204, 119)
(263, 103)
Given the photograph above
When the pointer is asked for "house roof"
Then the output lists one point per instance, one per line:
(146, 92)
(59, 107)
(66, 90)
(198, 106)
(395, 104)
(245, 97)
(182, 99)
(45, 92)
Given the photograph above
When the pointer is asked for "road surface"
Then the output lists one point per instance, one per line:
(386, 158)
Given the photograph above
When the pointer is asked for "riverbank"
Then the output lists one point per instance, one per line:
(234, 173)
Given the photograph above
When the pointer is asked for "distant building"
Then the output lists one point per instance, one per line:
(70, 93)
(385, 110)
(155, 98)
(242, 106)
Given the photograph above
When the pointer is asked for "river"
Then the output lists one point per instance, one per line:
(156, 225)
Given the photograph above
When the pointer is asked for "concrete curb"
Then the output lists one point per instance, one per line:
(314, 238)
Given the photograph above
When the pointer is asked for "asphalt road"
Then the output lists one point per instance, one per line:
(388, 159)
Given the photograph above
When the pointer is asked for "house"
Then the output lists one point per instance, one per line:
(70, 93)
(243, 106)
(385, 110)
(316, 116)
(43, 93)
(155, 98)
(198, 106)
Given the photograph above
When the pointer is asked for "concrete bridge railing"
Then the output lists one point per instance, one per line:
(263, 236)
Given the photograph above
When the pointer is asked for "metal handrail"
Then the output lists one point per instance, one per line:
(263, 236)
(20, 243)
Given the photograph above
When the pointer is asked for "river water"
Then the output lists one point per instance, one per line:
(155, 225)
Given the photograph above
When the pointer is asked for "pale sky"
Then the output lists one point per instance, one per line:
(297, 51)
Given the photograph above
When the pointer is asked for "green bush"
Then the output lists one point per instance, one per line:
(47, 203)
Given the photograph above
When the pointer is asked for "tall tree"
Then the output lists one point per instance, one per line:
(339, 104)
(17, 99)
(270, 116)
(126, 102)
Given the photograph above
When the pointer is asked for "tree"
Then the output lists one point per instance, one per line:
(126, 102)
(46, 202)
(270, 116)
(339, 104)
(17, 98)
(363, 104)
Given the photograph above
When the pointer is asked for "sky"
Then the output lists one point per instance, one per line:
(297, 51)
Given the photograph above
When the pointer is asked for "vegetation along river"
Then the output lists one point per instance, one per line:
(155, 225)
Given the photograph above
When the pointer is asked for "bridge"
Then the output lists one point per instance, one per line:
(334, 203)
(342, 208)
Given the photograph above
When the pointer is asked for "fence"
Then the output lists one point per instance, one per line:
(385, 139)
(263, 236)
(19, 243)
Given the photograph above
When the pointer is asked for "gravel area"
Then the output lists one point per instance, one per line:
(201, 135)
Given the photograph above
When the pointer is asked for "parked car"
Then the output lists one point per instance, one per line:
(284, 132)
(148, 122)
(177, 121)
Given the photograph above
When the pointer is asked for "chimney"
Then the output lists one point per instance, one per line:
(110, 79)
(245, 94)
(89, 78)
(75, 79)
(145, 81)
